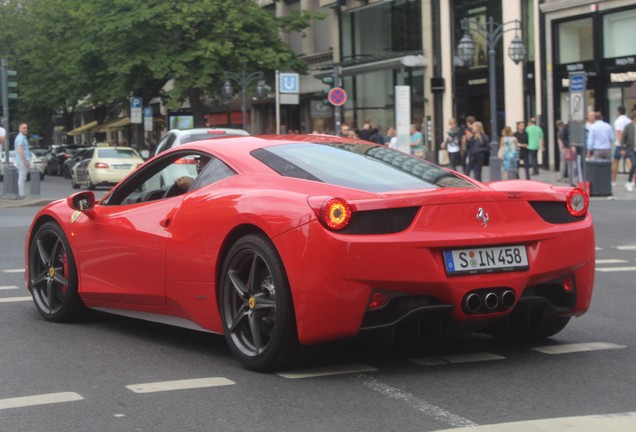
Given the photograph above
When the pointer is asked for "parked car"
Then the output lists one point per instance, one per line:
(77, 154)
(36, 162)
(56, 157)
(106, 166)
(177, 137)
(286, 241)
(77, 158)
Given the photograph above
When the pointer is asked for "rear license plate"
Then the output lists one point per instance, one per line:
(122, 166)
(486, 260)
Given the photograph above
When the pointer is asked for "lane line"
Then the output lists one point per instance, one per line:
(15, 299)
(326, 371)
(43, 399)
(626, 248)
(13, 270)
(179, 385)
(616, 269)
(623, 422)
(439, 414)
(610, 261)
(574, 348)
(456, 359)
(8, 287)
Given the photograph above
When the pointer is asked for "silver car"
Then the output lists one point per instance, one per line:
(176, 137)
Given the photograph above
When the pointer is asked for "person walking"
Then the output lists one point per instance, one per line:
(452, 144)
(23, 157)
(619, 125)
(628, 146)
(600, 138)
(522, 142)
(563, 139)
(417, 142)
(535, 143)
(478, 147)
(508, 153)
(467, 132)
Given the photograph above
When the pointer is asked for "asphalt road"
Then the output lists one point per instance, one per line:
(117, 374)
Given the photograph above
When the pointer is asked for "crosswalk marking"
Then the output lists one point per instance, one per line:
(326, 371)
(7, 287)
(456, 359)
(43, 399)
(179, 385)
(623, 422)
(13, 270)
(616, 269)
(580, 347)
(610, 261)
(15, 299)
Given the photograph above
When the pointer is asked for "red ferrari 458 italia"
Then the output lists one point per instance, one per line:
(280, 242)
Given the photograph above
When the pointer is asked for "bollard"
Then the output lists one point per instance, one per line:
(10, 183)
(34, 173)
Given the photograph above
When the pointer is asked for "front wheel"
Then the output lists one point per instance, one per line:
(256, 305)
(53, 275)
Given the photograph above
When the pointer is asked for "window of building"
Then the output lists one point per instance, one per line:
(576, 41)
(619, 33)
(528, 28)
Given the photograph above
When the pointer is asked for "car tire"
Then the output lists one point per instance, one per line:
(53, 275)
(74, 184)
(66, 173)
(256, 305)
(91, 185)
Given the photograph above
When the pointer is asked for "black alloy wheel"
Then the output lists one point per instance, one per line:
(53, 275)
(256, 305)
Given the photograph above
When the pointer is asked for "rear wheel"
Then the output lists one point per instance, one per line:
(53, 275)
(74, 183)
(256, 305)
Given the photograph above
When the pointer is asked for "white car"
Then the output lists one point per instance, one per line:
(176, 137)
(106, 166)
(36, 162)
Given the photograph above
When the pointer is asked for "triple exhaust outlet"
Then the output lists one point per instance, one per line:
(485, 301)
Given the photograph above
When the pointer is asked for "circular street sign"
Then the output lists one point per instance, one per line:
(337, 96)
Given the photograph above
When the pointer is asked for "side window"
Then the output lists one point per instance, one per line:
(166, 143)
(213, 171)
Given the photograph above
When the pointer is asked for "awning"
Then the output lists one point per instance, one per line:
(377, 62)
(84, 128)
(115, 124)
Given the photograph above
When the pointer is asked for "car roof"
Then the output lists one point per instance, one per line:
(196, 131)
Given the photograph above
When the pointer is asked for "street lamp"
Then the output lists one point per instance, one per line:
(244, 80)
(492, 32)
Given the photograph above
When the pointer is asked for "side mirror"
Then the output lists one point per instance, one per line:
(83, 201)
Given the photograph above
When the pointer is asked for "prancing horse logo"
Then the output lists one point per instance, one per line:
(482, 216)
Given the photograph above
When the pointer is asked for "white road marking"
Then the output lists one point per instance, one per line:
(573, 348)
(179, 385)
(616, 269)
(626, 248)
(13, 271)
(598, 248)
(8, 287)
(610, 261)
(456, 359)
(15, 299)
(44, 399)
(623, 422)
(414, 402)
(326, 371)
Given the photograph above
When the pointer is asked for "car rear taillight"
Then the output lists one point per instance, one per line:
(577, 202)
(335, 213)
(101, 165)
(216, 132)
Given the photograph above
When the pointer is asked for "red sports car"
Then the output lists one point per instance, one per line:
(279, 242)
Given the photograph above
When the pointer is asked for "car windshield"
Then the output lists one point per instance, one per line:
(361, 166)
(114, 153)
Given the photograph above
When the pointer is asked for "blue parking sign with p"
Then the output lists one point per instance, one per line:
(135, 102)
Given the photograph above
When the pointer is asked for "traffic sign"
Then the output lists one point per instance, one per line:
(289, 82)
(135, 110)
(337, 96)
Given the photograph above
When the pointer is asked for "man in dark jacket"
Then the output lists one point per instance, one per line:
(628, 142)
(522, 139)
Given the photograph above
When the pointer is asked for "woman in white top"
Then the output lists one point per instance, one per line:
(452, 144)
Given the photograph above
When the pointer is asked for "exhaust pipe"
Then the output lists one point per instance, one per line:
(491, 301)
(472, 303)
(508, 299)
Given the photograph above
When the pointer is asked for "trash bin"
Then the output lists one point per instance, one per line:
(599, 173)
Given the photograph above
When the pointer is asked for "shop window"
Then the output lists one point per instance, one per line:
(576, 41)
(619, 33)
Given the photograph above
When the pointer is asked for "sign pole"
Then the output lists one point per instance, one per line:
(576, 124)
(337, 111)
(277, 102)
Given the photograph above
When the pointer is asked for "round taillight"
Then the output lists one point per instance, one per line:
(335, 213)
(577, 202)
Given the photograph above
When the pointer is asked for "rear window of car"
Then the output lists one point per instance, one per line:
(361, 166)
(113, 153)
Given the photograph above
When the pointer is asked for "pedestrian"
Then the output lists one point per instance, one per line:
(628, 145)
(377, 137)
(467, 132)
(509, 154)
(366, 131)
(535, 143)
(478, 146)
(563, 140)
(600, 138)
(23, 157)
(452, 144)
(619, 125)
(522, 141)
(392, 136)
(417, 142)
